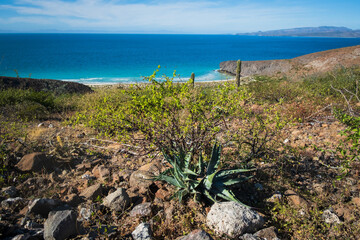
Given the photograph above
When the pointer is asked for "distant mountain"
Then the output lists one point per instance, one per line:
(324, 31)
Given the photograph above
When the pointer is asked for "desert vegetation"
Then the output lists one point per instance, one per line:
(287, 149)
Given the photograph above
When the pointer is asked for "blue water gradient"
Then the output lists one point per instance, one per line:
(113, 58)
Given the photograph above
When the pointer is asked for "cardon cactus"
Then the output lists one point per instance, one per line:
(238, 71)
(200, 180)
(192, 78)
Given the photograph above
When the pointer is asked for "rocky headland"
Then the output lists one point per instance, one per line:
(47, 85)
(318, 62)
(323, 31)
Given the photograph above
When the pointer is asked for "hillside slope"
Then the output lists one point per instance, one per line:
(307, 64)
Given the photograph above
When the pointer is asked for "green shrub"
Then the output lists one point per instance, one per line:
(169, 115)
(273, 90)
(323, 85)
(257, 129)
(29, 104)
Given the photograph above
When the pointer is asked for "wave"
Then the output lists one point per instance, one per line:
(214, 75)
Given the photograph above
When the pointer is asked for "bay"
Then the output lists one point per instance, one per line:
(115, 58)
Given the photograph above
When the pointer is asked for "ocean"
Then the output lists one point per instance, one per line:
(125, 58)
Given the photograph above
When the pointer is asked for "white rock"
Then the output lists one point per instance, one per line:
(233, 219)
(330, 217)
(142, 232)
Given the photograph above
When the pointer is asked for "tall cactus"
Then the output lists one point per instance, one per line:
(192, 78)
(238, 71)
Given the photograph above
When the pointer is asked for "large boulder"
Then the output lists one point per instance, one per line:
(233, 219)
(35, 162)
(118, 200)
(43, 206)
(60, 225)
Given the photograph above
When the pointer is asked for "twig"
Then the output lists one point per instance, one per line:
(351, 111)
(109, 141)
(330, 105)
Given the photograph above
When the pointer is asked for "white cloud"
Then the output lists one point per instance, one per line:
(116, 16)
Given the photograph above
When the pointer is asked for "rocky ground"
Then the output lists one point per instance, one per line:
(65, 183)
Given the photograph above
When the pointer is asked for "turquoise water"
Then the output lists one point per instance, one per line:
(112, 58)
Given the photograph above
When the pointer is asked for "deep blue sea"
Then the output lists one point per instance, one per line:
(112, 58)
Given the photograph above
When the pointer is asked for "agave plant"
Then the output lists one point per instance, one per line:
(200, 180)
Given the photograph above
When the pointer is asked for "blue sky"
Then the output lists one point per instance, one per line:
(158, 16)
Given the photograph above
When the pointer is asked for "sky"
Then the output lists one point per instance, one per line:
(173, 16)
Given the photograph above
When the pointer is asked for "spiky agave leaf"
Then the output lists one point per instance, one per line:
(201, 165)
(171, 180)
(233, 181)
(215, 159)
(228, 173)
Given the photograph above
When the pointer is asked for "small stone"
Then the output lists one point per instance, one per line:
(73, 199)
(101, 172)
(356, 201)
(141, 179)
(60, 225)
(274, 198)
(35, 162)
(197, 234)
(248, 236)
(286, 141)
(142, 232)
(9, 191)
(295, 199)
(141, 210)
(92, 192)
(344, 212)
(233, 219)
(169, 211)
(43, 206)
(266, 233)
(329, 217)
(118, 200)
(12, 203)
(88, 177)
(319, 188)
(163, 194)
(85, 214)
